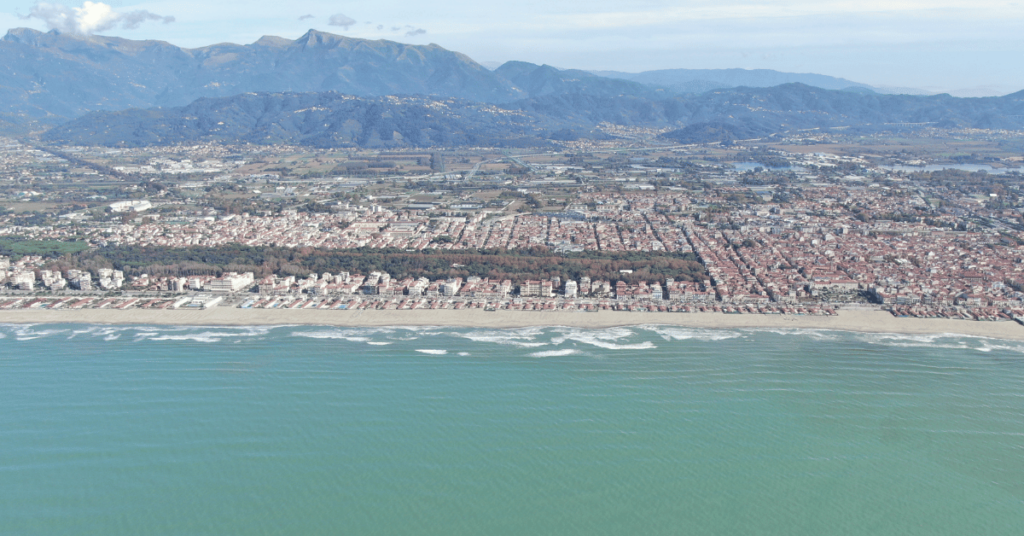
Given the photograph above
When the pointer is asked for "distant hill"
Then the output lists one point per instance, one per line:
(785, 107)
(743, 113)
(326, 119)
(52, 76)
(331, 119)
(701, 80)
(545, 80)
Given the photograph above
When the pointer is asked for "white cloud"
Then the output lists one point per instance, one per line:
(92, 17)
(341, 20)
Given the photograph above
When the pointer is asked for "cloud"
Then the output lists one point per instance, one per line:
(341, 20)
(133, 19)
(92, 17)
(307, 16)
(417, 31)
(380, 26)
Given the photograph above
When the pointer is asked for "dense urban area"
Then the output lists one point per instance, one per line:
(922, 223)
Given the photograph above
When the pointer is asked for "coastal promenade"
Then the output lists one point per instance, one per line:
(866, 321)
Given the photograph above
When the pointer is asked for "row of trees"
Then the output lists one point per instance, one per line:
(517, 265)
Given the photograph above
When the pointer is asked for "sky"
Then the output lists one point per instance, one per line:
(968, 48)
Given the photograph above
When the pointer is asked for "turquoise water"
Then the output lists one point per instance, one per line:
(308, 430)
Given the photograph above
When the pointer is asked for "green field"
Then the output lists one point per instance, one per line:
(17, 247)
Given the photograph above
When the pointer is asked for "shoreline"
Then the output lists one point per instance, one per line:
(846, 320)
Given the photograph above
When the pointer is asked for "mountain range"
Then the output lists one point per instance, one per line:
(322, 119)
(53, 76)
(333, 119)
(323, 89)
(702, 80)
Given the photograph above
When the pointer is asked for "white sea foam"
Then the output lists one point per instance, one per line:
(555, 353)
(505, 340)
(940, 340)
(603, 338)
(192, 334)
(816, 334)
(433, 352)
(329, 335)
(463, 354)
(988, 347)
(415, 332)
(77, 332)
(646, 345)
(143, 335)
(378, 343)
(950, 341)
(206, 336)
(523, 338)
(670, 333)
(26, 333)
(109, 333)
(352, 335)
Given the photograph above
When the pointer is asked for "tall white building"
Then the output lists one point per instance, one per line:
(232, 282)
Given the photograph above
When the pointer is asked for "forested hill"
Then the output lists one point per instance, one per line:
(313, 119)
(743, 113)
(53, 76)
(332, 119)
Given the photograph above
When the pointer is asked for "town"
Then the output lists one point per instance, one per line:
(799, 226)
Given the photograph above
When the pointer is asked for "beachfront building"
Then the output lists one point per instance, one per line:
(24, 280)
(82, 281)
(570, 289)
(529, 288)
(232, 282)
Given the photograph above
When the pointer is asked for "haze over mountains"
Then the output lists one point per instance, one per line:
(701, 80)
(50, 78)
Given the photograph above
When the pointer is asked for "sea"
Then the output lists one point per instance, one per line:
(305, 430)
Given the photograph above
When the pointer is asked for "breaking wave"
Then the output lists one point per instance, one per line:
(555, 353)
(951, 341)
(523, 338)
(671, 333)
(604, 338)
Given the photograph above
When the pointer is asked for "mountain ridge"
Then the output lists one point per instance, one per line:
(693, 80)
(52, 75)
(153, 87)
(332, 119)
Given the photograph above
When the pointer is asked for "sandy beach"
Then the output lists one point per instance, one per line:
(847, 320)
